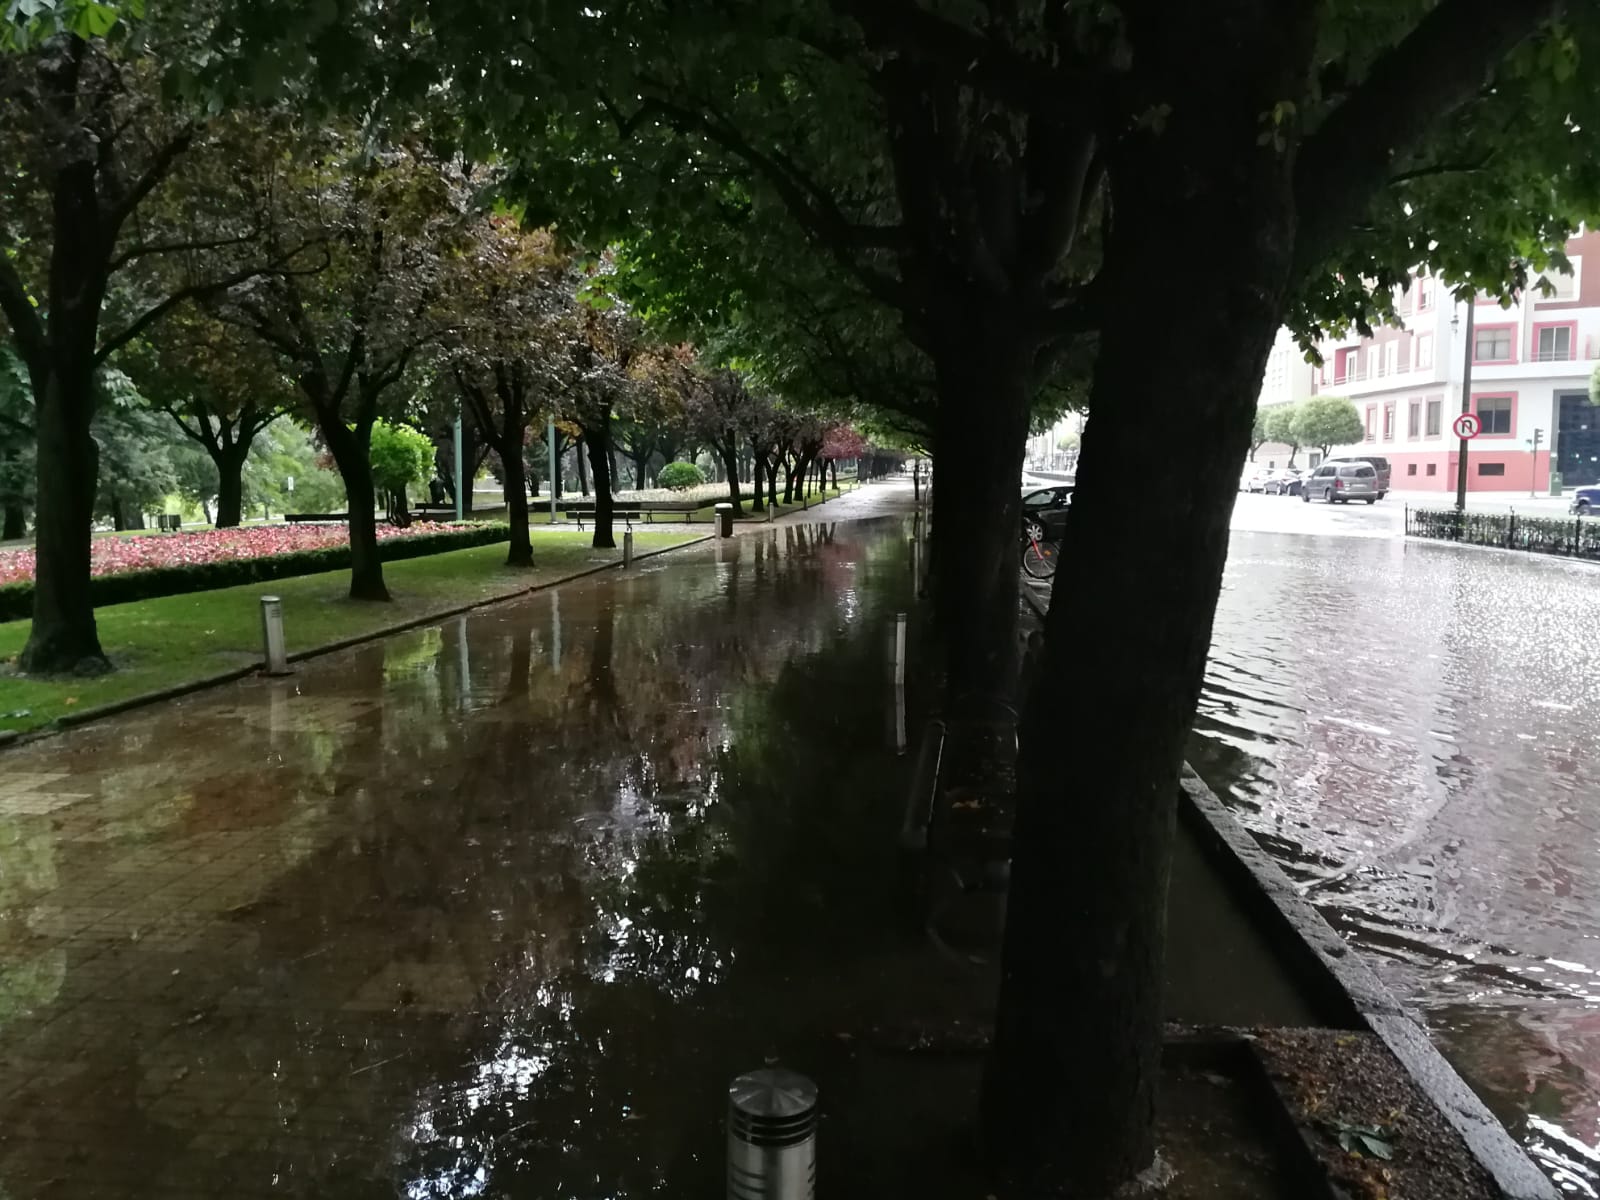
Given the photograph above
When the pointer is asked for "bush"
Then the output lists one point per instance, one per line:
(676, 476)
(16, 599)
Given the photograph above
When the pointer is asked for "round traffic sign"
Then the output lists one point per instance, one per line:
(1467, 425)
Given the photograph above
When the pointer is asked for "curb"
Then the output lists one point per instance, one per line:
(1314, 949)
(68, 721)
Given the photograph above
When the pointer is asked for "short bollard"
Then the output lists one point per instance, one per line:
(772, 510)
(273, 649)
(627, 549)
(772, 1136)
(900, 649)
(724, 517)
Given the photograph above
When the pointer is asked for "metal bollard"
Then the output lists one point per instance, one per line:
(772, 1136)
(900, 649)
(627, 549)
(275, 652)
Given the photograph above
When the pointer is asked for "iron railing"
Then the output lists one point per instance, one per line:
(1572, 537)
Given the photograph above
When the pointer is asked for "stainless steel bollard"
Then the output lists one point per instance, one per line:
(772, 1136)
(627, 549)
(273, 648)
(724, 519)
(900, 649)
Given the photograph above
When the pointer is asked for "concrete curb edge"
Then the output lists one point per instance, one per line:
(1332, 965)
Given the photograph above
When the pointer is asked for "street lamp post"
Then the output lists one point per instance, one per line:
(1466, 403)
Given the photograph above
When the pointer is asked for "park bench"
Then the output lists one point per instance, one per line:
(627, 514)
(297, 518)
(169, 522)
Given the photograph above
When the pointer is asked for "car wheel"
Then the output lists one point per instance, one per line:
(1381, 495)
(1305, 496)
(1373, 499)
(1327, 495)
(1583, 508)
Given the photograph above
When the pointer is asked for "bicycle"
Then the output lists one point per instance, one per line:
(1039, 554)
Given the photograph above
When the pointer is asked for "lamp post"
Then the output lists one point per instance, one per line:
(1466, 401)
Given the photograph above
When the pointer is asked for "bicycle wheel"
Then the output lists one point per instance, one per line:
(1039, 559)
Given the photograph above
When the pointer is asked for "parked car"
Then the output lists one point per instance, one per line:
(1280, 483)
(1376, 461)
(1586, 502)
(1340, 482)
(1048, 507)
(1255, 479)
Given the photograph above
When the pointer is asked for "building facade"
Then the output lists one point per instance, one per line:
(1531, 365)
(1289, 378)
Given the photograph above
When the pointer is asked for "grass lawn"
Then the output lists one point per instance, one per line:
(172, 640)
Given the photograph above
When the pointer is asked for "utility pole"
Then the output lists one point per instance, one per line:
(1533, 468)
(460, 506)
(1466, 403)
(550, 444)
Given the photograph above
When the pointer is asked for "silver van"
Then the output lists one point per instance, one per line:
(1342, 482)
(1376, 461)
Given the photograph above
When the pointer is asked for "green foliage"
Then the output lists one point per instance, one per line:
(1282, 424)
(16, 599)
(1594, 387)
(1327, 421)
(401, 456)
(677, 476)
(1258, 431)
(283, 452)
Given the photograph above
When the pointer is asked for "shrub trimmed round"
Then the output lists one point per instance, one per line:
(680, 476)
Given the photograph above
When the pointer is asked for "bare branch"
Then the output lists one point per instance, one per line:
(159, 168)
(140, 251)
(26, 327)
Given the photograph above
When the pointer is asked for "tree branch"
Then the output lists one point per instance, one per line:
(26, 327)
(140, 251)
(196, 291)
(160, 166)
(1438, 67)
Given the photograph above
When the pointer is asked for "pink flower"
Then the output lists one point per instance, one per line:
(114, 555)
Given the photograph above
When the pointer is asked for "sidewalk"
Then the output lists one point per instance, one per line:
(1497, 502)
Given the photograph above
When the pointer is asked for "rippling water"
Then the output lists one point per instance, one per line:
(1415, 731)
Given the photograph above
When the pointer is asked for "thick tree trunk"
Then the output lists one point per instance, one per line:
(974, 554)
(133, 516)
(64, 637)
(16, 521)
(119, 516)
(469, 456)
(230, 488)
(788, 480)
(520, 553)
(758, 478)
(583, 468)
(351, 450)
(555, 483)
(599, 461)
(772, 481)
(1070, 1099)
(730, 463)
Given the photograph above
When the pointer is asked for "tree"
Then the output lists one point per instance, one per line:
(962, 162)
(718, 412)
(606, 382)
(370, 232)
(1325, 422)
(115, 209)
(220, 386)
(283, 473)
(1282, 424)
(401, 456)
(17, 470)
(513, 349)
(1258, 433)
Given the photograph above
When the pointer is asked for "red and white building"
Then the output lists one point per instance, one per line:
(1531, 365)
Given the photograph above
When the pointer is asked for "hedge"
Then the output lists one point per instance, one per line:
(16, 599)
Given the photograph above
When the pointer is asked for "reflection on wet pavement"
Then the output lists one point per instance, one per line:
(492, 908)
(1412, 730)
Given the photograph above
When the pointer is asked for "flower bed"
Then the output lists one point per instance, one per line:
(114, 555)
(234, 557)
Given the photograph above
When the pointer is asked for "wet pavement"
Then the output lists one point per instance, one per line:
(493, 908)
(1412, 730)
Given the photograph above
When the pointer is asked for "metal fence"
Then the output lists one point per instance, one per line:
(1573, 537)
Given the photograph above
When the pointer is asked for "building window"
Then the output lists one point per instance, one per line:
(1374, 363)
(1388, 421)
(1414, 422)
(1411, 468)
(1492, 344)
(1563, 284)
(1424, 351)
(1424, 293)
(1494, 415)
(1435, 407)
(1491, 468)
(1433, 468)
(1391, 358)
(1552, 343)
(1372, 422)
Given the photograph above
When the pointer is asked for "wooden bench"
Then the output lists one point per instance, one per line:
(297, 518)
(627, 514)
(169, 522)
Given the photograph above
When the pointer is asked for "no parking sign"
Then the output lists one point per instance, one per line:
(1467, 426)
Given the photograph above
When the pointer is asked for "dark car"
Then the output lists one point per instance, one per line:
(1048, 508)
(1586, 502)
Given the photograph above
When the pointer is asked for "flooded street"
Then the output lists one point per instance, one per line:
(1414, 730)
(494, 908)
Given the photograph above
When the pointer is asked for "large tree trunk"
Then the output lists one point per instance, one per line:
(351, 450)
(788, 479)
(599, 460)
(514, 477)
(63, 636)
(772, 481)
(1203, 209)
(583, 469)
(729, 453)
(758, 479)
(16, 521)
(230, 487)
(974, 554)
